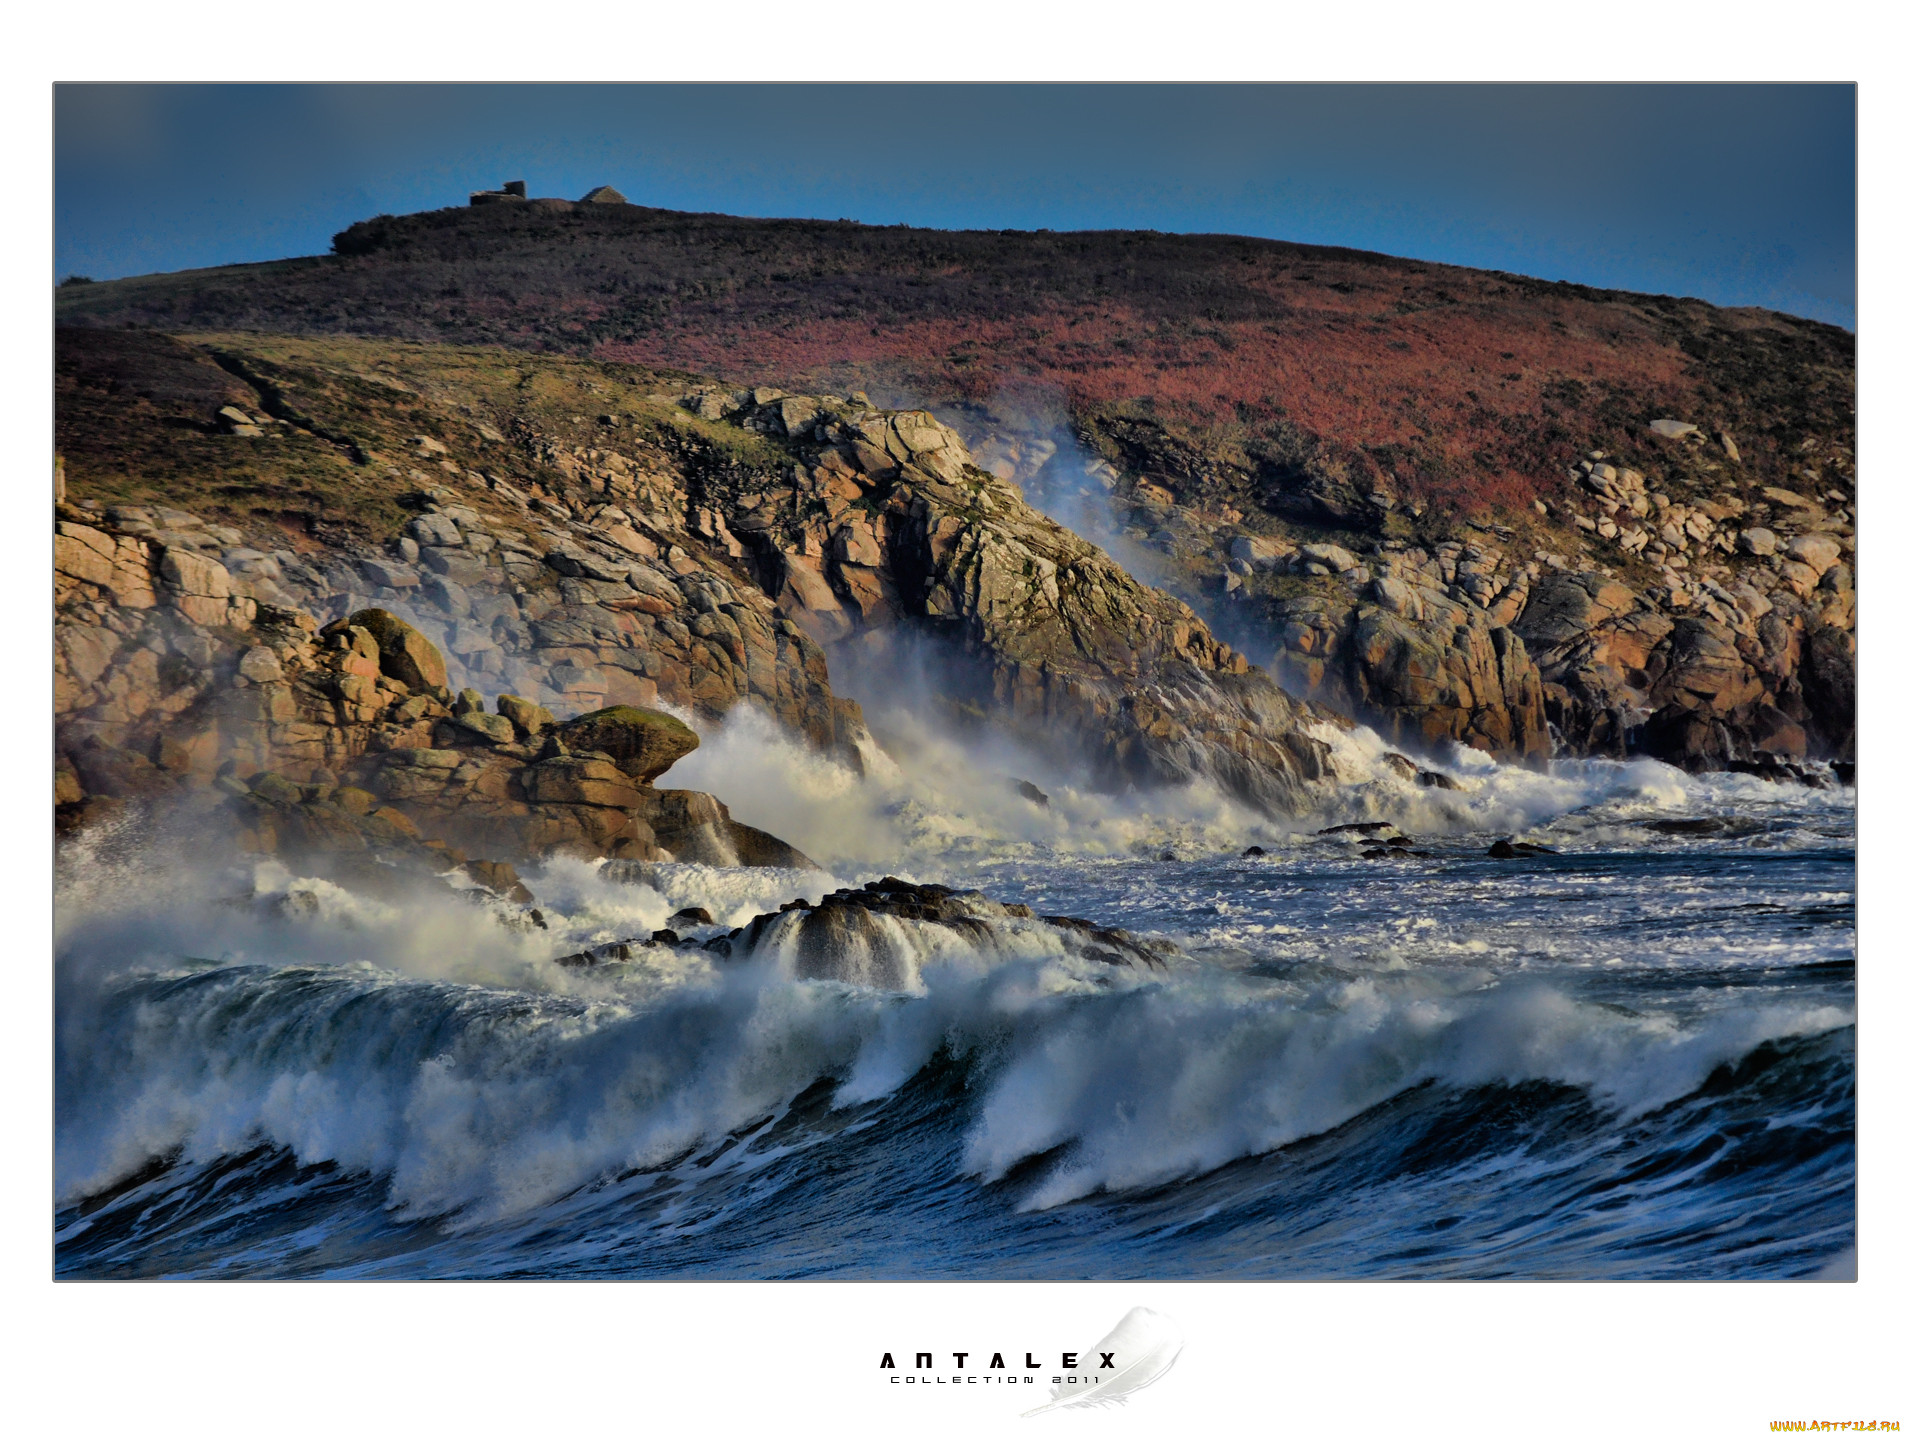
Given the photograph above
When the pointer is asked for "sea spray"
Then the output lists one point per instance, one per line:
(262, 1071)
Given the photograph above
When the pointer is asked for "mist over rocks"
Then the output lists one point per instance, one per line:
(1634, 616)
(584, 540)
(888, 531)
(344, 737)
(627, 553)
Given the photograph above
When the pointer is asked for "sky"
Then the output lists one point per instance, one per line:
(1735, 194)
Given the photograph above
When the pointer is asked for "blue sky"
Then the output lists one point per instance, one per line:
(1741, 195)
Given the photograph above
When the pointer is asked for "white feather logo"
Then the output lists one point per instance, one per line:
(1143, 1345)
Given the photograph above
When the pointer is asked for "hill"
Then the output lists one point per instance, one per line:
(1455, 385)
(1482, 438)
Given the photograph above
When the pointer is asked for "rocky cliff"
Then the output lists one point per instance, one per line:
(1667, 602)
(1479, 445)
(887, 532)
(288, 570)
(173, 684)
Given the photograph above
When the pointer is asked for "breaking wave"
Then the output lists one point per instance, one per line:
(1644, 1035)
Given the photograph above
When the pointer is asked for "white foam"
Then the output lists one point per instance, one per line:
(1504, 799)
(420, 1037)
(483, 1101)
(951, 803)
(1152, 1092)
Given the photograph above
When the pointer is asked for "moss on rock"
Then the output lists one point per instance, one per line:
(643, 743)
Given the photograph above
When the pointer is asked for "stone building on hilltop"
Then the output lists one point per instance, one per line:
(516, 191)
(512, 190)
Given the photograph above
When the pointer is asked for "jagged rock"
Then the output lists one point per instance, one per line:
(453, 567)
(500, 877)
(1050, 634)
(576, 780)
(1258, 550)
(356, 801)
(434, 529)
(201, 589)
(260, 665)
(651, 576)
(1818, 552)
(405, 654)
(1335, 558)
(493, 729)
(83, 553)
(270, 786)
(1447, 676)
(698, 829)
(1400, 765)
(360, 701)
(1568, 607)
(1727, 825)
(528, 719)
(841, 939)
(643, 743)
(116, 773)
(387, 574)
(1699, 690)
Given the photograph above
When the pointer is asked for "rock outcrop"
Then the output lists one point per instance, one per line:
(876, 935)
(569, 576)
(1722, 666)
(886, 532)
(1243, 401)
(583, 537)
(1684, 610)
(702, 548)
(344, 735)
(1421, 667)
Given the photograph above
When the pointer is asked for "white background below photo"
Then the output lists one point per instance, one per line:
(673, 1358)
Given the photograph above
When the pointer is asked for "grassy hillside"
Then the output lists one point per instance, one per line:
(1453, 389)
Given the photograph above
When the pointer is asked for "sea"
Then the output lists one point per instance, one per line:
(1631, 1057)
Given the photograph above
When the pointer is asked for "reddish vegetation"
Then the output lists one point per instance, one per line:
(1450, 400)
(1466, 388)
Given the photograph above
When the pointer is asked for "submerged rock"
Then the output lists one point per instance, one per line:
(1517, 849)
(1706, 825)
(864, 936)
(1027, 790)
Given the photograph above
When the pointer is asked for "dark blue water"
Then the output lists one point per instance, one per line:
(1632, 1059)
